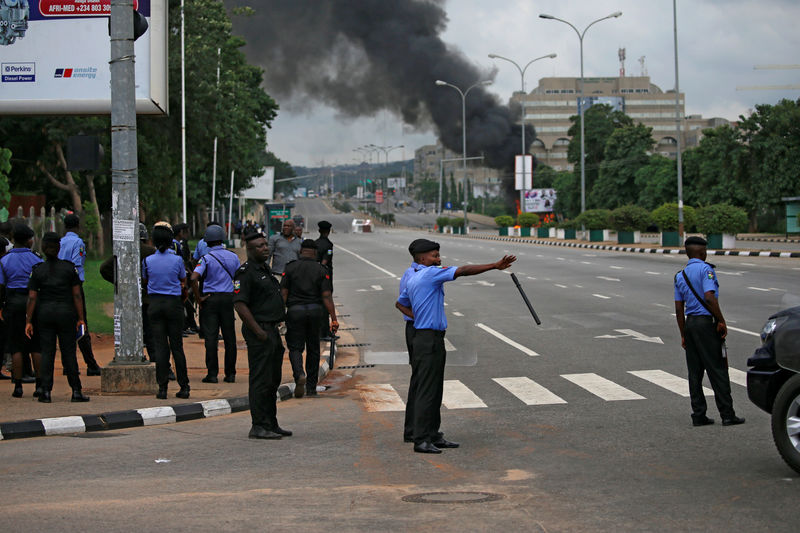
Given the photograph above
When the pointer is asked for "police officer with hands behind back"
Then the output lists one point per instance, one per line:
(423, 301)
(306, 288)
(55, 305)
(15, 271)
(217, 269)
(703, 333)
(258, 302)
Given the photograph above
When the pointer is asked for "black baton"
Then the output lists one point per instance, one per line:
(525, 297)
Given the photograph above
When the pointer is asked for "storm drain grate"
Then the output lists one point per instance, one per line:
(348, 329)
(354, 345)
(340, 316)
(354, 366)
(453, 497)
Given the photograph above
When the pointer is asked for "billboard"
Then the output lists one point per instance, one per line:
(523, 171)
(540, 200)
(396, 183)
(54, 57)
(263, 188)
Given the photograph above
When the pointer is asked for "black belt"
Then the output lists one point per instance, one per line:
(699, 317)
(210, 293)
(268, 324)
(437, 332)
(17, 291)
(306, 306)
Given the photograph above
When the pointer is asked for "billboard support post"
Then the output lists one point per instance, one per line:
(127, 372)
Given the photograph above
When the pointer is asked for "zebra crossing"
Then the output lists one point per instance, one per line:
(380, 397)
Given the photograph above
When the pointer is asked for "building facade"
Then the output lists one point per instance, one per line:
(428, 165)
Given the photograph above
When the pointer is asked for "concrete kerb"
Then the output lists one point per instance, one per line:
(150, 416)
(607, 247)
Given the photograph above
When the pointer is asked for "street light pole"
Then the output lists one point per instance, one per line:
(580, 103)
(464, 136)
(678, 123)
(522, 105)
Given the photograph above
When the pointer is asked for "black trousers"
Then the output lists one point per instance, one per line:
(408, 426)
(302, 332)
(265, 359)
(325, 321)
(147, 332)
(428, 360)
(218, 314)
(704, 354)
(85, 344)
(58, 323)
(166, 323)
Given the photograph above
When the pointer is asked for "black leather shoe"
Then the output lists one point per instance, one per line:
(210, 379)
(29, 379)
(230, 379)
(37, 392)
(444, 443)
(161, 394)
(17, 389)
(257, 432)
(183, 393)
(735, 421)
(171, 376)
(96, 371)
(426, 447)
(282, 432)
(78, 396)
(705, 421)
(44, 397)
(300, 387)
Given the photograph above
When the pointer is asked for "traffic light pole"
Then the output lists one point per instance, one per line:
(128, 371)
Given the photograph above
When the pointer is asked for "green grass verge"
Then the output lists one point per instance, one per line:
(98, 292)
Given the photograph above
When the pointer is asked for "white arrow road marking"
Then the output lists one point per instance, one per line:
(505, 339)
(729, 273)
(617, 267)
(653, 273)
(668, 381)
(377, 287)
(560, 285)
(601, 387)
(381, 397)
(631, 333)
(456, 395)
(485, 283)
(601, 296)
(607, 278)
(758, 289)
(527, 390)
(448, 346)
(370, 263)
(456, 313)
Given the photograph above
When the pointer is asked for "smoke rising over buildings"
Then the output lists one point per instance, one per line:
(366, 56)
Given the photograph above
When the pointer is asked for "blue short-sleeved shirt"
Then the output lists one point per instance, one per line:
(424, 293)
(163, 272)
(200, 250)
(73, 250)
(16, 267)
(217, 268)
(703, 279)
(404, 281)
(176, 247)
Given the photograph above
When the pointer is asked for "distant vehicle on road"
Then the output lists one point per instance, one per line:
(299, 220)
(773, 381)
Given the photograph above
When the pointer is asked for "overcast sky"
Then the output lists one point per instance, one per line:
(719, 43)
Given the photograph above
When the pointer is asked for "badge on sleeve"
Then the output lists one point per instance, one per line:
(237, 286)
(710, 275)
(81, 251)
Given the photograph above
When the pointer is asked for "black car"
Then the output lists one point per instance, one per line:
(773, 381)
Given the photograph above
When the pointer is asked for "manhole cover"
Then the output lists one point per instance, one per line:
(453, 497)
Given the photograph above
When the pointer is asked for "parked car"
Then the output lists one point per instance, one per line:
(773, 381)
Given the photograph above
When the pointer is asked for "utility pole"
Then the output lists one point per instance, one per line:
(128, 371)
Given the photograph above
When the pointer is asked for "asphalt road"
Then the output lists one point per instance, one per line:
(571, 424)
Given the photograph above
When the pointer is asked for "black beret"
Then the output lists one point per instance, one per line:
(51, 237)
(22, 232)
(253, 235)
(324, 224)
(420, 246)
(697, 241)
(72, 221)
(309, 243)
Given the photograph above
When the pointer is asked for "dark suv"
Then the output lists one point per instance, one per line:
(773, 381)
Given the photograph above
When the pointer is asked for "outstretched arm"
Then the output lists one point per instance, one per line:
(472, 270)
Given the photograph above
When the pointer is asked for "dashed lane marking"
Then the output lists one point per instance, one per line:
(737, 376)
(505, 339)
(668, 381)
(456, 313)
(753, 333)
(601, 296)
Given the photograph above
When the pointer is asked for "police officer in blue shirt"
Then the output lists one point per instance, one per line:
(15, 271)
(165, 275)
(217, 269)
(74, 250)
(703, 333)
(423, 301)
(202, 245)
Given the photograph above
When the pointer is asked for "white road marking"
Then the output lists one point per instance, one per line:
(152, 416)
(505, 339)
(660, 305)
(586, 262)
(631, 333)
(749, 264)
(560, 259)
(737, 376)
(215, 408)
(601, 296)
(529, 277)
(758, 289)
(527, 390)
(589, 255)
(601, 387)
(753, 333)
(456, 313)
(653, 273)
(607, 278)
(776, 289)
(668, 381)
(370, 263)
(729, 273)
(579, 286)
(381, 397)
(448, 346)
(616, 267)
(484, 283)
(376, 287)
(560, 285)
(458, 396)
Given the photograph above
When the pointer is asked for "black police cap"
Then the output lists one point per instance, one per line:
(420, 246)
(309, 243)
(324, 224)
(696, 241)
(22, 232)
(71, 221)
(253, 235)
(51, 237)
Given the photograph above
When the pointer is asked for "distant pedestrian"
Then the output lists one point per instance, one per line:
(216, 269)
(165, 276)
(325, 257)
(74, 250)
(306, 290)
(258, 302)
(703, 331)
(15, 271)
(55, 311)
(423, 300)
(283, 247)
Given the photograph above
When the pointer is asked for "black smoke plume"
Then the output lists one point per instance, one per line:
(362, 56)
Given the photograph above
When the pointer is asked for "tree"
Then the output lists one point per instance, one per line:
(657, 182)
(625, 153)
(5, 168)
(568, 189)
(716, 171)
